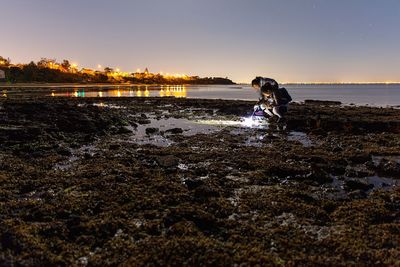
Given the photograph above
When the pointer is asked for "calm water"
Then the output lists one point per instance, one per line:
(360, 94)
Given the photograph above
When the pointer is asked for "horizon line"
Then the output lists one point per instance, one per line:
(327, 83)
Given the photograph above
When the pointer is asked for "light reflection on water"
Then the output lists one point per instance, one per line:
(178, 91)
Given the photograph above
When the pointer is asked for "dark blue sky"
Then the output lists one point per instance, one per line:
(290, 40)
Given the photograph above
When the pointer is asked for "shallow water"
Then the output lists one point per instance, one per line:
(158, 131)
(162, 137)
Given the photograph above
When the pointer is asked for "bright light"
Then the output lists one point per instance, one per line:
(137, 70)
(99, 66)
(118, 70)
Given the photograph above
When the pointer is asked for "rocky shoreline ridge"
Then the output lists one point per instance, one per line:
(166, 181)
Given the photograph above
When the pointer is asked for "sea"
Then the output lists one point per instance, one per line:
(380, 95)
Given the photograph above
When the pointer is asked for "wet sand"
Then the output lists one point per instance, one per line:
(165, 181)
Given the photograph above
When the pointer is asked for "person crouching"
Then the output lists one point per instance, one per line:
(274, 101)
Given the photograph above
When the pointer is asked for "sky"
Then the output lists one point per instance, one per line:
(289, 40)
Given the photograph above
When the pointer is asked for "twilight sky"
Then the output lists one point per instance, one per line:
(289, 40)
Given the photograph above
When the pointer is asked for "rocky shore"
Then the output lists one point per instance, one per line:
(165, 181)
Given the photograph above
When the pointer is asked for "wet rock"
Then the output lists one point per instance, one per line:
(357, 194)
(64, 151)
(167, 161)
(193, 183)
(360, 158)
(322, 102)
(174, 131)
(124, 130)
(320, 176)
(205, 192)
(358, 171)
(152, 130)
(203, 220)
(114, 146)
(389, 168)
(351, 185)
(143, 121)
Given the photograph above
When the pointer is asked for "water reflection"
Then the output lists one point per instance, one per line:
(178, 91)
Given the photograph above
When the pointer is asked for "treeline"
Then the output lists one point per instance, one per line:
(34, 73)
(49, 71)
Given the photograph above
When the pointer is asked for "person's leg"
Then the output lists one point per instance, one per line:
(277, 111)
(269, 112)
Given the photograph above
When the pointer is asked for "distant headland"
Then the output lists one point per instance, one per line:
(50, 71)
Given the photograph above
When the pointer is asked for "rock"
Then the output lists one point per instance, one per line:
(115, 146)
(360, 158)
(358, 171)
(174, 131)
(389, 168)
(124, 130)
(144, 121)
(193, 183)
(357, 194)
(151, 130)
(167, 161)
(205, 191)
(64, 151)
(351, 185)
(320, 176)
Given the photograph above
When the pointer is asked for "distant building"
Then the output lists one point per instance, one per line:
(2, 75)
(146, 71)
(88, 71)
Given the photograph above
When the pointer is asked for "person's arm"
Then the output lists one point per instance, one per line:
(277, 97)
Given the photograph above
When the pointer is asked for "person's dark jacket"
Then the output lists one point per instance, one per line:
(280, 96)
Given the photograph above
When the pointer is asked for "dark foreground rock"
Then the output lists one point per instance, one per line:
(78, 188)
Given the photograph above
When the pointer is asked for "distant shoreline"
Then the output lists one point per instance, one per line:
(68, 85)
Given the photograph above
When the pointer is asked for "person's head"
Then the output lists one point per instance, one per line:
(266, 83)
(256, 83)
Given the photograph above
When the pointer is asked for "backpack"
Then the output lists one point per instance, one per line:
(285, 94)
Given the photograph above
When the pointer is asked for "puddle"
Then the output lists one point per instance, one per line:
(101, 105)
(159, 131)
(300, 137)
(381, 182)
(337, 187)
(377, 159)
(246, 122)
